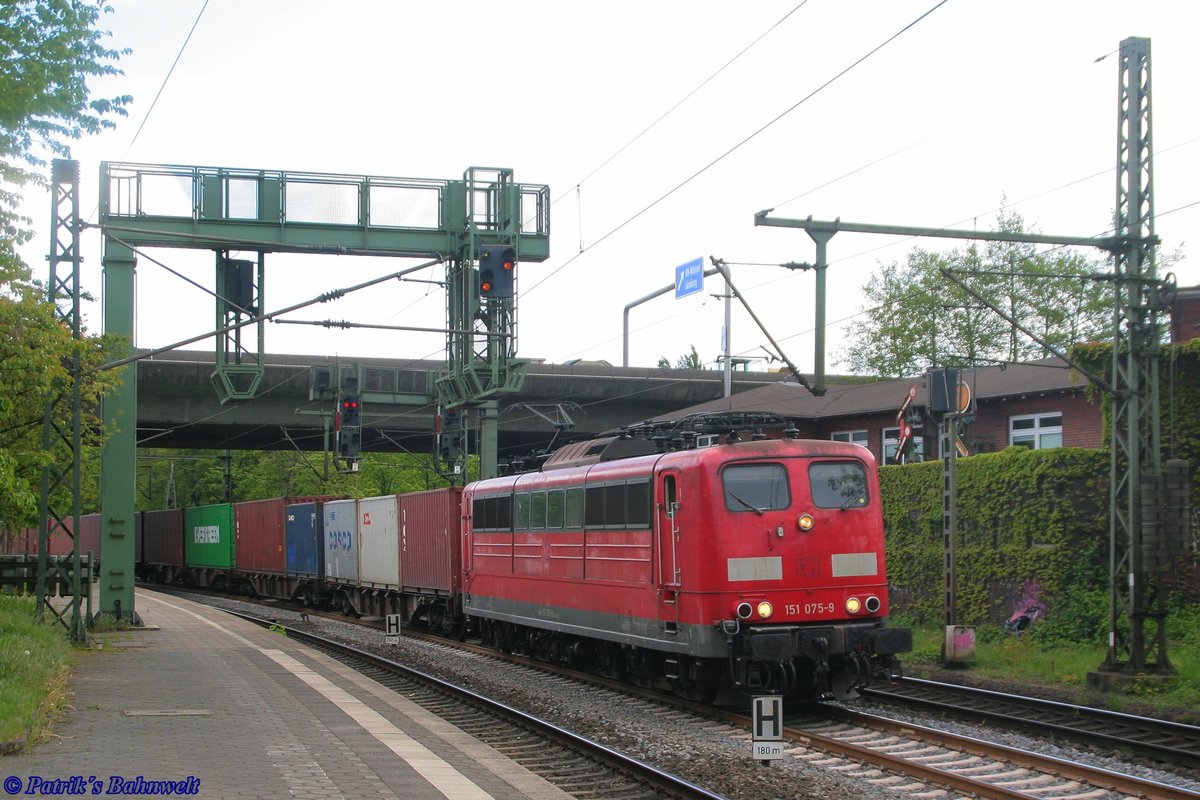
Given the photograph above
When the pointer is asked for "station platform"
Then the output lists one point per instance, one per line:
(203, 704)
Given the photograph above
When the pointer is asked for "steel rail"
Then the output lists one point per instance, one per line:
(1159, 738)
(1096, 776)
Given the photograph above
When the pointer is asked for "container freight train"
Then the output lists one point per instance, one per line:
(755, 566)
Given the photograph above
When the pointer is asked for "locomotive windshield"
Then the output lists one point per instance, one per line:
(756, 487)
(840, 484)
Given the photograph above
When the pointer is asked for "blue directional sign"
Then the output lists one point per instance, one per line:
(689, 278)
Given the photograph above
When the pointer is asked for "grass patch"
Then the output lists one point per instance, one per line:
(1062, 666)
(35, 659)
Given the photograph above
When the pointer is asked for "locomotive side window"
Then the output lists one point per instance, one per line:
(619, 505)
(669, 494)
(537, 511)
(841, 484)
(756, 487)
(614, 505)
(594, 510)
(637, 501)
(521, 511)
(493, 513)
(574, 508)
(554, 508)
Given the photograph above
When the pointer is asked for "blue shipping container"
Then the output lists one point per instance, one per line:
(304, 539)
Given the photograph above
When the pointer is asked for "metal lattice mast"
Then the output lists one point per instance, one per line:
(481, 338)
(63, 443)
(1137, 635)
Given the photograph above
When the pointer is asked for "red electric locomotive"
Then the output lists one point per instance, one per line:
(752, 565)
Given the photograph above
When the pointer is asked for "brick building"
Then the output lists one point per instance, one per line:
(1039, 404)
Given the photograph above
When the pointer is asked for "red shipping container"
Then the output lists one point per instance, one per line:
(260, 544)
(162, 537)
(15, 542)
(61, 540)
(430, 544)
(89, 535)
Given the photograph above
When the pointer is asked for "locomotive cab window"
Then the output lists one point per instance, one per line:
(838, 484)
(756, 487)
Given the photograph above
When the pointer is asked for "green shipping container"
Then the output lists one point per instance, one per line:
(208, 536)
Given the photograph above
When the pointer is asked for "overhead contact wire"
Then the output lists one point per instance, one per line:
(746, 140)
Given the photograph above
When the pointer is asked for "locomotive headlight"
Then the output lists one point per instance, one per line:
(853, 605)
(873, 604)
(744, 610)
(805, 522)
(765, 609)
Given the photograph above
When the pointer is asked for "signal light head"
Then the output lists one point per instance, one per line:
(497, 270)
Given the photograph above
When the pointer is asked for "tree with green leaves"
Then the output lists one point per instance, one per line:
(690, 360)
(199, 476)
(51, 48)
(916, 317)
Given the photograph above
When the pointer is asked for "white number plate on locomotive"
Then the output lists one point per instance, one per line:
(809, 609)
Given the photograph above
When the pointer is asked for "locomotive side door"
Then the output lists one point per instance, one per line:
(666, 531)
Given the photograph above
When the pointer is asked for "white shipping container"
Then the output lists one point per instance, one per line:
(341, 541)
(379, 542)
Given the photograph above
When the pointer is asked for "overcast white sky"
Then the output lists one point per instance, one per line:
(982, 100)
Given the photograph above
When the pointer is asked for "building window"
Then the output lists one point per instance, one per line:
(1036, 431)
(891, 440)
(853, 437)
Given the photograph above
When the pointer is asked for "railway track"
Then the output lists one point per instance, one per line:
(1168, 742)
(912, 759)
(968, 766)
(900, 758)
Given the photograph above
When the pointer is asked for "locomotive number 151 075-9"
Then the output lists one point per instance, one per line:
(809, 609)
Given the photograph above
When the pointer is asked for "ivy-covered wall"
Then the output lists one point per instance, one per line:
(1179, 398)
(1032, 525)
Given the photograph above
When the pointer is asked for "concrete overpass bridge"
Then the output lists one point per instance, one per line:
(178, 406)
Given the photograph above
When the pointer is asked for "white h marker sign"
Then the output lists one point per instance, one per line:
(768, 727)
